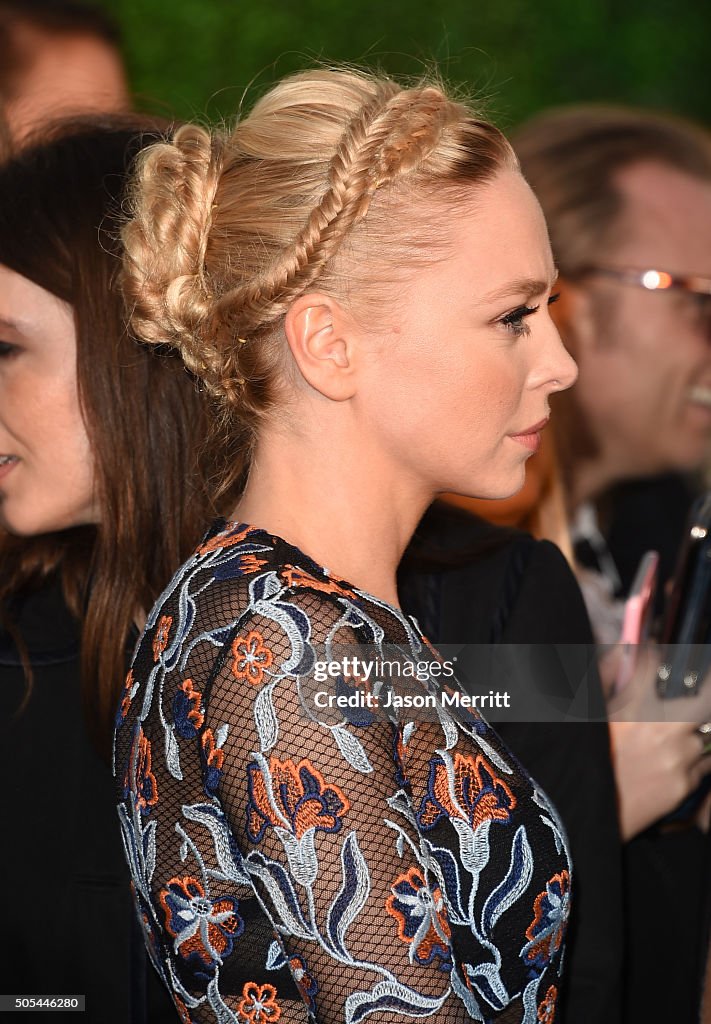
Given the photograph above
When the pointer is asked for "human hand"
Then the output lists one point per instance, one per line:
(658, 760)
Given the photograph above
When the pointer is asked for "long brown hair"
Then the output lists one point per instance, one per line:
(147, 421)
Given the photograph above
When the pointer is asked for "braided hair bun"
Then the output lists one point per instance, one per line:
(309, 189)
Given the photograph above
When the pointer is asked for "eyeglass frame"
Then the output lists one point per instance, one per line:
(651, 280)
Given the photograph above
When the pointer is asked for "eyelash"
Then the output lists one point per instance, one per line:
(513, 321)
(6, 349)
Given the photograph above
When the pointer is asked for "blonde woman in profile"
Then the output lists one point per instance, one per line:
(361, 274)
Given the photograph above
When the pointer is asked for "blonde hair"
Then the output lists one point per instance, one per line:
(227, 229)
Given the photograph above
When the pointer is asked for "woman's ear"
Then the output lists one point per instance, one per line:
(320, 334)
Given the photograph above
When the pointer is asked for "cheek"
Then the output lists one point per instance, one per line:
(54, 485)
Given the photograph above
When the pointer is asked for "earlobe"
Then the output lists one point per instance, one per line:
(318, 333)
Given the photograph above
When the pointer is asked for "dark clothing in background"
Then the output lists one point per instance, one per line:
(645, 515)
(666, 868)
(499, 586)
(68, 924)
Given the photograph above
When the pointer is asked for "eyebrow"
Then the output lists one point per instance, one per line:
(12, 325)
(522, 285)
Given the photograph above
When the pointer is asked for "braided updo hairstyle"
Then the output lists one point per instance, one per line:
(227, 229)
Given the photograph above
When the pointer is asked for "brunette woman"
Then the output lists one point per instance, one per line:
(359, 272)
(99, 460)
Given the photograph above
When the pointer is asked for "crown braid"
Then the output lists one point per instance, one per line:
(228, 230)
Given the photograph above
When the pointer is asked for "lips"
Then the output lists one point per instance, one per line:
(531, 438)
(535, 429)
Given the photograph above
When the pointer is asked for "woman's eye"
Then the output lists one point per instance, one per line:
(553, 298)
(6, 349)
(514, 321)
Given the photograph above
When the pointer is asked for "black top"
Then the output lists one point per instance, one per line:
(469, 582)
(68, 922)
(291, 858)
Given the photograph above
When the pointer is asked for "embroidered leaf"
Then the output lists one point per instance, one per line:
(265, 717)
(226, 851)
(494, 756)
(530, 1001)
(352, 896)
(446, 868)
(223, 1014)
(284, 904)
(276, 957)
(172, 754)
(486, 979)
(391, 996)
(352, 749)
(514, 885)
(400, 802)
(467, 996)
(451, 733)
(221, 734)
(264, 587)
(149, 851)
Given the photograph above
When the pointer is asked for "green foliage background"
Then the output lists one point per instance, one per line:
(198, 56)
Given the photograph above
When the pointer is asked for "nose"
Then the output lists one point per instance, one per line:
(556, 369)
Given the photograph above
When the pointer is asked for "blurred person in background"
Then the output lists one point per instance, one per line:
(627, 197)
(57, 58)
(104, 487)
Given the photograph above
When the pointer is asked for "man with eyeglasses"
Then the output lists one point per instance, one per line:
(627, 197)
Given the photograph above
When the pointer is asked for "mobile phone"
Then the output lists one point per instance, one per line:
(686, 624)
(637, 615)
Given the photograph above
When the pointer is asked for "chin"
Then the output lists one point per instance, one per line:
(495, 490)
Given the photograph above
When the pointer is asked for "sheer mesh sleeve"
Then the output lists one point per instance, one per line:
(339, 864)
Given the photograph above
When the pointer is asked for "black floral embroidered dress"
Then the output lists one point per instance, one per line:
(290, 864)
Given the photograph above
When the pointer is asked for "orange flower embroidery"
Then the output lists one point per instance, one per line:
(550, 916)
(215, 758)
(126, 700)
(213, 755)
(301, 794)
(421, 916)
(160, 639)
(259, 1004)
(480, 794)
(224, 539)
(250, 563)
(201, 926)
(546, 1011)
(300, 578)
(187, 710)
(146, 788)
(251, 657)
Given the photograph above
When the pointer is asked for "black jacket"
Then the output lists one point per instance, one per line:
(468, 582)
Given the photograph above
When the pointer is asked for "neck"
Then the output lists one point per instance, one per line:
(339, 502)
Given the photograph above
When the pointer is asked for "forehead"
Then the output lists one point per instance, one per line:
(27, 307)
(503, 232)
(666, 219)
